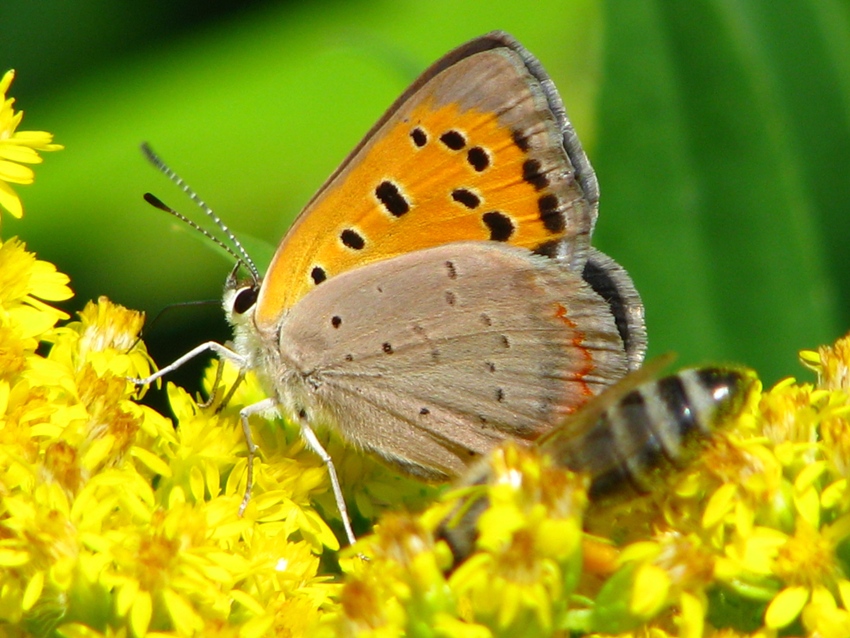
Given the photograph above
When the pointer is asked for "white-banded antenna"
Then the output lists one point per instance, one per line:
(156, 202)
(240, 254)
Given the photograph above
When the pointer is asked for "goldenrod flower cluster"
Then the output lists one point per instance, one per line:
(113, 521)
(119, 521)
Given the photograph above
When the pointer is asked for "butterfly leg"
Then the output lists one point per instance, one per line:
(227, 397)
(316, 446)
(219, 373)
(263, 406)
(223, 352)
(228, 394)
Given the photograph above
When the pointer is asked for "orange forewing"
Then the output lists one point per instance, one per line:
(448, 164)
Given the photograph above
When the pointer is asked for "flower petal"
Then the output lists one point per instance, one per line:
(10, 201)
(15, 173)
(6, 81)
(786, 607)
(18, 153)
(650, 590)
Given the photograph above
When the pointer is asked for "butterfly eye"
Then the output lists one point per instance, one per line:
(244, 300)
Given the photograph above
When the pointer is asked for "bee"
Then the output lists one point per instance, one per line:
(627, 440)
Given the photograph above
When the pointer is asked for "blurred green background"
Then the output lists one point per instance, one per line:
(719, 130)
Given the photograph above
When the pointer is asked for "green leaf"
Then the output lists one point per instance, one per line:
(723, 130)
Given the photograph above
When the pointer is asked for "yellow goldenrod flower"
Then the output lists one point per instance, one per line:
(529, 543)
(785, 537)
(113, 521)
(808, 565)
(529, 559)
(25, 283)
(17, 148)
(832, 363)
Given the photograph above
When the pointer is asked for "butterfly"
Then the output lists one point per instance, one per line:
(439, 293)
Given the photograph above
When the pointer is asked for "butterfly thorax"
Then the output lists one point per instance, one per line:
(272, 358)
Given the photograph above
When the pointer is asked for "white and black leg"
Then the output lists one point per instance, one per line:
(227, 394)
(219, 375)
(223, 352)
(312, 442)
(316, 446)
(263, 406)
(231, 391)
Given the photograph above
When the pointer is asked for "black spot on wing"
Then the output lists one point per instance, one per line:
(532, 175)
(352, 239)
(451, 269)
(453, 140)
(551, 217)
(520, 140)
(392, 198)
(549, 248)
(500, 225)
(419, 137)
(478, 158)
(466, 197)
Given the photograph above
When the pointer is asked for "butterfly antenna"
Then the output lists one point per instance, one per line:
(154, 201)
(242, 255)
